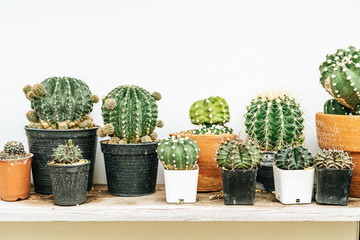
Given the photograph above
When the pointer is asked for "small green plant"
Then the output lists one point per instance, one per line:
(176, 153)
(332, 106)
(67, 154)
(332, 158)
(13, 150)
(294, 158)
(238, 155)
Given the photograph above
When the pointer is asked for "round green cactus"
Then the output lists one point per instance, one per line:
(177, 153)
(274, 122)
(212, 129)
(238, 155)
(332, 106)
(67, 154)
(212, 110)
(294, 158)
(332, 158)
(13, 150)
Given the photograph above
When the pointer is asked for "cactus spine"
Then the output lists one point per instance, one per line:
(331, 158)
(332, 106)
(178, 153)
(13, 150)
(67, 154)
(294, 158)
(274, 122)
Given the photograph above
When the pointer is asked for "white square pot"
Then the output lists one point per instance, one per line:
(181, 185)
(293, 186)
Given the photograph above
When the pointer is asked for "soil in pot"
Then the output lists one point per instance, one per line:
(265, 174)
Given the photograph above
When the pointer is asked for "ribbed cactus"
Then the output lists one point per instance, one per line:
(13, 150)
(238, 155)
(212, 129)
(67, 154)
(212, 110)
(274, 122)
(178, 153)
(294, 158)
(57, 100)
(332, 106)
(130, 113)
(332, 158)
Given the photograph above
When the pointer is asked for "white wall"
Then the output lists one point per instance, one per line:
(187, 50)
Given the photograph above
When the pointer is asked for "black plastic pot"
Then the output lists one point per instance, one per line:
(42, 143)
(333, 186)
(265, 175)
(69, 183)
(131, 169)
(239, 186)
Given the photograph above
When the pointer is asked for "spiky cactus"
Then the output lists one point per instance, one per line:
(332, 106)
(212, 129)
(294, 158)
(176, 153)
(332, 158)
(13, 150)
(56, 100)
(130, 113)
(238, 155)
(212, 110)
(67, 154)
(274, 122)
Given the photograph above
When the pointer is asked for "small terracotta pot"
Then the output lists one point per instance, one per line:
(210, 177)
(341, 132)
(15, 178)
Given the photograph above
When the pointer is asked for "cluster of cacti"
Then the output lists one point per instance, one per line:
(212, 129)
(67, 154)
(294, 158)
(176, 153)
(274, 122)
(332, 106)
(60, 103)
(130, 115)
(238, 155)
(13, 150)
(332, 158)
(340, 76)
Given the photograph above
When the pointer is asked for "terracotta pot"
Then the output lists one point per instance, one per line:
(210, 177)
(341, 132)
(15, 178)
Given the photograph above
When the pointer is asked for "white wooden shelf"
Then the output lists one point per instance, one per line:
(101, 206)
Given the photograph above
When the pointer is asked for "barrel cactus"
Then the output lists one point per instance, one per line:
(332, 158)
(176, 153)
(294, 158)
(13, 150)
(68, 154)
(332, 106)
(238, 155)
(130, 114)
(274, 122)
(59, 100)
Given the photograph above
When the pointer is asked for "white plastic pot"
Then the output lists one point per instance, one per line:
(293, 186)
(181, 185)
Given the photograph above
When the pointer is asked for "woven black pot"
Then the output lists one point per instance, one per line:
(265, 174)
(131, 169)
(333, 186)
(69, 183)
(239, 186)
(42, 143)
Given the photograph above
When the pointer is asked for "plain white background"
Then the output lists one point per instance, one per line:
(187, 50)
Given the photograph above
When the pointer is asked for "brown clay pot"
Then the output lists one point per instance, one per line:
(210, 177)
(341, 132)
(15, 178)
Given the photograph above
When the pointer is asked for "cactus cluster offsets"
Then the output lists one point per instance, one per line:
(332, 106)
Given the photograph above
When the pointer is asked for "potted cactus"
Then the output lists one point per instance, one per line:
(60, 111)
(294, 175)
(333, 172)
(239, 162)
(178, 157)
(130, 117)
(273, 122)
(69, 173)
(15, 168)
(338, 127)
(209, 115)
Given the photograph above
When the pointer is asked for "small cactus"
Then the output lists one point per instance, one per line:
(332, 158)
(67, 154)
(156, 96)
(146, 139)
(32, 116)
(101, 132)
(114, 140)
(63, 126)
(332, 106)
(212, 110)
(13, 150)
(86, 124)
(94, 99)
(154, 136)
(212, 129)
(27, 89)
(294, 158)
(109, 129)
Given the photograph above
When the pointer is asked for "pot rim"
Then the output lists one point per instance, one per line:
(307, 169)
(69, 165)
(128, 144)
(60, 130)
(334, 169)
(28, 155)
(337, 115)
(239, 170)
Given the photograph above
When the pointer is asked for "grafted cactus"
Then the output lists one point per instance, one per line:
(130, 114)
(274, 122)
(212, 110)
(332, 106)
(13, 150)
(332, 158)
(178, 153)
(238, 155)
(294, 158)
(58, 100)
(67, 154)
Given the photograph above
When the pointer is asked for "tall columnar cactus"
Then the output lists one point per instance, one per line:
(332, 106)
(130, 113)
(340, 76)
(67, 154)
(212, 110)
(57, 100)
(332, 158)
(274, 122)
(239, 155)
(178, 153)
(13, 150)
(294, 158)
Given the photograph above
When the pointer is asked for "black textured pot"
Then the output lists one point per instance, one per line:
(333, 186)
(131, 169)
(42, 143)
(265, 175)
(69, 183)
(239, 186)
